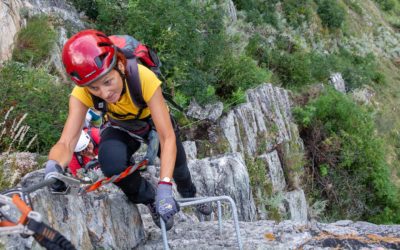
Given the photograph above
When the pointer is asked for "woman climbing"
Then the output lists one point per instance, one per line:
(100, 71)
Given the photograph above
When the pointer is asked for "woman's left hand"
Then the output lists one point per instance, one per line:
(166, 205)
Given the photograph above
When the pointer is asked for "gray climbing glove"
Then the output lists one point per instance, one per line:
(166, 205)
(53, 167)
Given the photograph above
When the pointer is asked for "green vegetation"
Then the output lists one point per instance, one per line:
(35, 92)
(386, 5)
(331, 13)
(391, 11)
(262, 12)
(200, 60)
(294, 68)
(297, 11)
(89, 7)
(258, 11)
(348, 166)
(354, 6)
(34, 105)
(35, 41)
(265, 199)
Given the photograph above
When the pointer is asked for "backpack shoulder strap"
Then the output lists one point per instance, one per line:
(134, 84)
(80, 159)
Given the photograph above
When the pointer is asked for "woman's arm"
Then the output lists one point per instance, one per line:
(63, 150)
(166, 133)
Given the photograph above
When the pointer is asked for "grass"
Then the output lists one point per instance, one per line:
(35, 41)
(388, 121)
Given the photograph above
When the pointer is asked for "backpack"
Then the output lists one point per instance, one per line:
(135, 52)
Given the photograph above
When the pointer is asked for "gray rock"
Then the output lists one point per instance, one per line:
(276, 174)
(363, 95)
(225, 175)
(336, 80)
(11, 23)
(211, 111)
(190, 149)
(297, 205)
(265, 234)
(103, 219)
(260, 124)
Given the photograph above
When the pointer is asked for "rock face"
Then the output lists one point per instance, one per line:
(210, 111)
(276, 174)
(255, 130)
(97, 220)
(260, 124)
(11, 23)
(266, 234)
(225, 175)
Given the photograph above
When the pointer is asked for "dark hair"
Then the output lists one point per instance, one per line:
(121, 58)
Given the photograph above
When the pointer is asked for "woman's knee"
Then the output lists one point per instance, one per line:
(113, 157)
(115, 151)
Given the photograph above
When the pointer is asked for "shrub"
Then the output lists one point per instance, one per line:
(294, 68)
(357, 70)
(239, 74)
(192, 44)
(331, 13)
(386, 5)
(33, 91)
(190, 40)
(348, 165)
(111, 16)
(89, 7)
(35, 41)
(259, 11)
(297, 11)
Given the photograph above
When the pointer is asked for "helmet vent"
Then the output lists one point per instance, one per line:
(103, 44)
(75, 74)
(100, 59)
(102, 35)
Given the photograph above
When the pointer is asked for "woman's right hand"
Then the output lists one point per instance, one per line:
(52, 166)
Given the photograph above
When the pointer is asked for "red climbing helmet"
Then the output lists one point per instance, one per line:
(88, 55)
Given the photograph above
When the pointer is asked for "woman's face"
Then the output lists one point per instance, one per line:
(89, 151)
(109, 87)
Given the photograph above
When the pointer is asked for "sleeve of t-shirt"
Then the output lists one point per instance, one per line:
(83, 95)
(149, 82)
(74, 165)
(96, 135)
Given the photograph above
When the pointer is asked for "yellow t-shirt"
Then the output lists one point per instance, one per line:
(125, 106)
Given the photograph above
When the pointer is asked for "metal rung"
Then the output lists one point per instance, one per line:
(185, 202)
